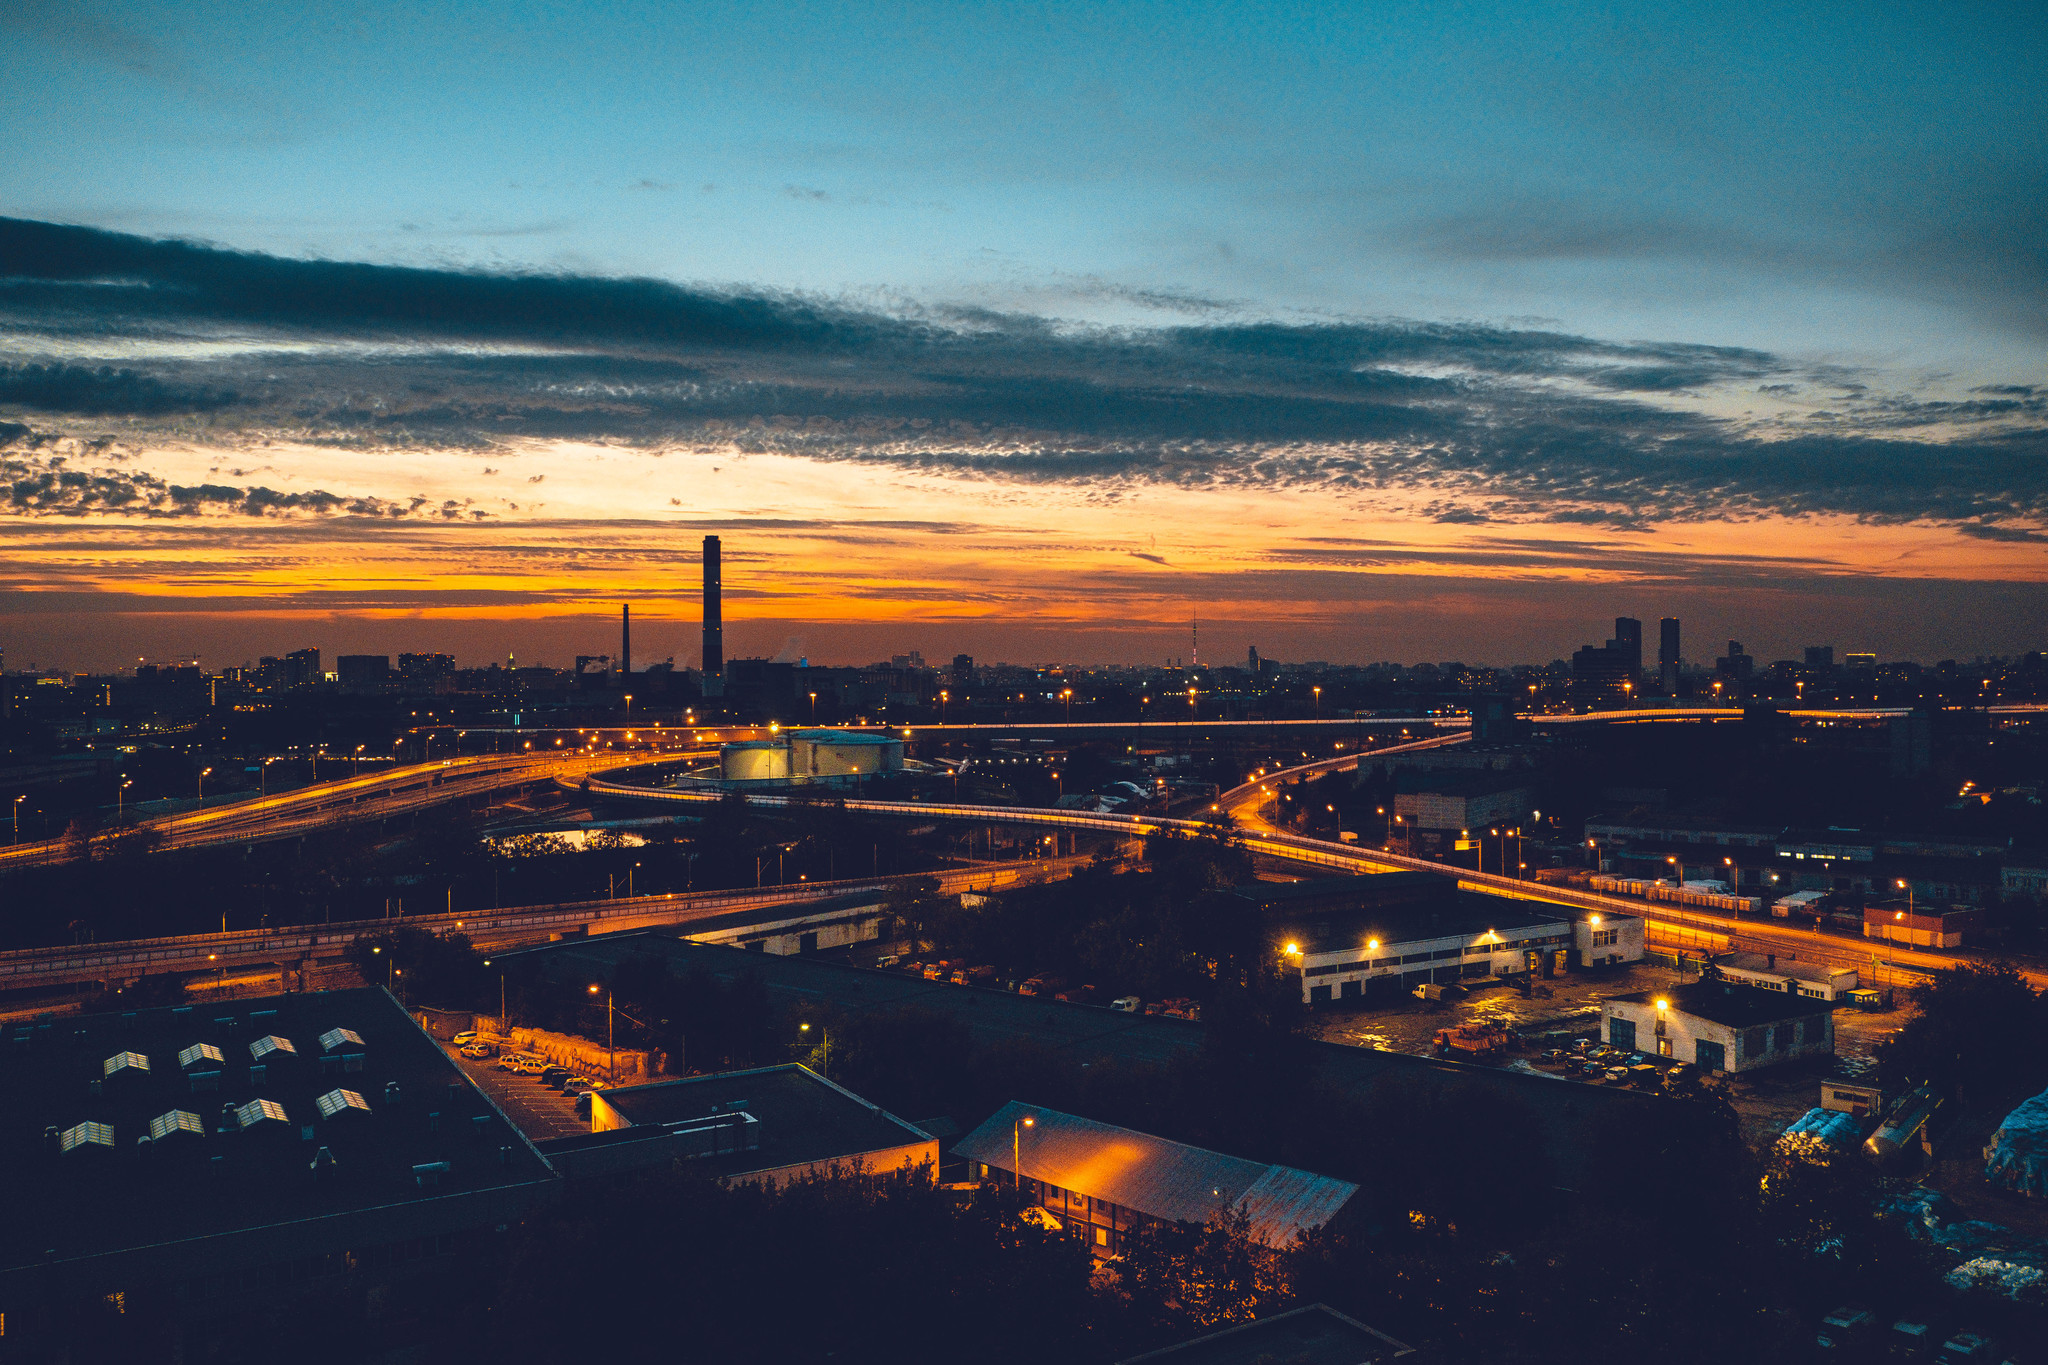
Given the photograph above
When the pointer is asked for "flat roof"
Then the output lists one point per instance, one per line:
(804, 1117)
(1087, 1033)
(1762, 964)
(1277, 895)
(240, 1159)
(1735, 1006)
(1468, 914)
(1153, 1175)
(1315, 1335)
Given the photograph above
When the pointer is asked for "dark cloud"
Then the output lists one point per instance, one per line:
(1487, 424)
(102, 390)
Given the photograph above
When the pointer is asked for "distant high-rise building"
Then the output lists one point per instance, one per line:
(714, 621)
(1820, 656)
(1667, 654)
(364, 672)
(425, 669)
(963, 670)
(302, 668)
(1734, 664)
(1628, 642)
(1603, 675)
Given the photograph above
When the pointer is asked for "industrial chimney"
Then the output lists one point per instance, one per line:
(714, 622)
(626, 643)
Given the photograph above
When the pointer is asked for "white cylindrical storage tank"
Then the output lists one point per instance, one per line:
(754, 761)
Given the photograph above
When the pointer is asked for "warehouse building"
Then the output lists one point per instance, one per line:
(769, 1125)
(1101, 1183)
(1720, 1026)
(239, 1149)
(1346, 956)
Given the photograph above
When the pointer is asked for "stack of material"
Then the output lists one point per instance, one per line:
(2017, 1155)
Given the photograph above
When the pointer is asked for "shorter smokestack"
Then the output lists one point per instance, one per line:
(626, 640)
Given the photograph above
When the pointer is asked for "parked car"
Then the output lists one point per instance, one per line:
(464, 1039)
(479, 1050)
(583, 1105)
(557, 1076)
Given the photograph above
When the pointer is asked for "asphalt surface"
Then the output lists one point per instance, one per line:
(539, 1111)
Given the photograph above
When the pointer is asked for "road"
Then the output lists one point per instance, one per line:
(1669, 922)
(489, 930)
(372, 796)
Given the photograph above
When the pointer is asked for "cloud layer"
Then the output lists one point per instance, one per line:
(111, 345)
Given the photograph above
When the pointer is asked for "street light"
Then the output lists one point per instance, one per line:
(814, 707)
(17, 817)
(202, 782)
(121, 798)
(1907, 887)
(944, 697)
(825, 1066)
(1319, 701)
(1017, 1148)
(611, 1046)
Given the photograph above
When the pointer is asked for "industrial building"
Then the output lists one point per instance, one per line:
(1767, 971)
(219, 1152)
(839, 758)
(1102, 1183)
(1720, 1026)
(1435, 805)
(1923, 927)
(768, 1125)
(1344, 955)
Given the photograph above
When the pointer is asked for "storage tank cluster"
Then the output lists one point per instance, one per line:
(803, 757)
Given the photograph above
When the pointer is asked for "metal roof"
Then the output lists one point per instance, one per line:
(256, 1111)
(176, 1121)
(270, 1043)
(122, 1061)
(335, 1037)
(340, 1102)
(1153, 1175)
(201, 1052)
(86, 1134)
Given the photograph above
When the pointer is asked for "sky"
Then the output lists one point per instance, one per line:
(1035, 332)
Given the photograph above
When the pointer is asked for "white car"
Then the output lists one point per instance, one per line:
(464, 1039)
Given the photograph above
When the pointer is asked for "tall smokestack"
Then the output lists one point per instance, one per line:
(626, 642)
(714, 622)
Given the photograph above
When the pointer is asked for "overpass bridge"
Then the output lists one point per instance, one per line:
(292, 946)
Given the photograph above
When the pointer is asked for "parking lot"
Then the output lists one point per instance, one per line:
(539, 1111)
(1765, 1101)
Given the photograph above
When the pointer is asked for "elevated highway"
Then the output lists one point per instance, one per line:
(1668, 924)
(325, 805)
(489, 930)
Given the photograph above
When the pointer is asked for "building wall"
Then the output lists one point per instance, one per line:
(1617, 939)
(1435, 810)
(1920, 929)
(1742, 1049)
(754, 763)
(910, 1154)
(1343, 975)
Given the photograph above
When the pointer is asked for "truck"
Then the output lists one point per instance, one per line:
(1476, 1042)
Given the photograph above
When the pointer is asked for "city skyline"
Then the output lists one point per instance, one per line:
(1500, 368)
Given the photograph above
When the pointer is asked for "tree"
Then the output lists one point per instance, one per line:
(1980, 1032)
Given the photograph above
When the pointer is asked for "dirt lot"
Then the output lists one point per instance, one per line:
(1766, 1101)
